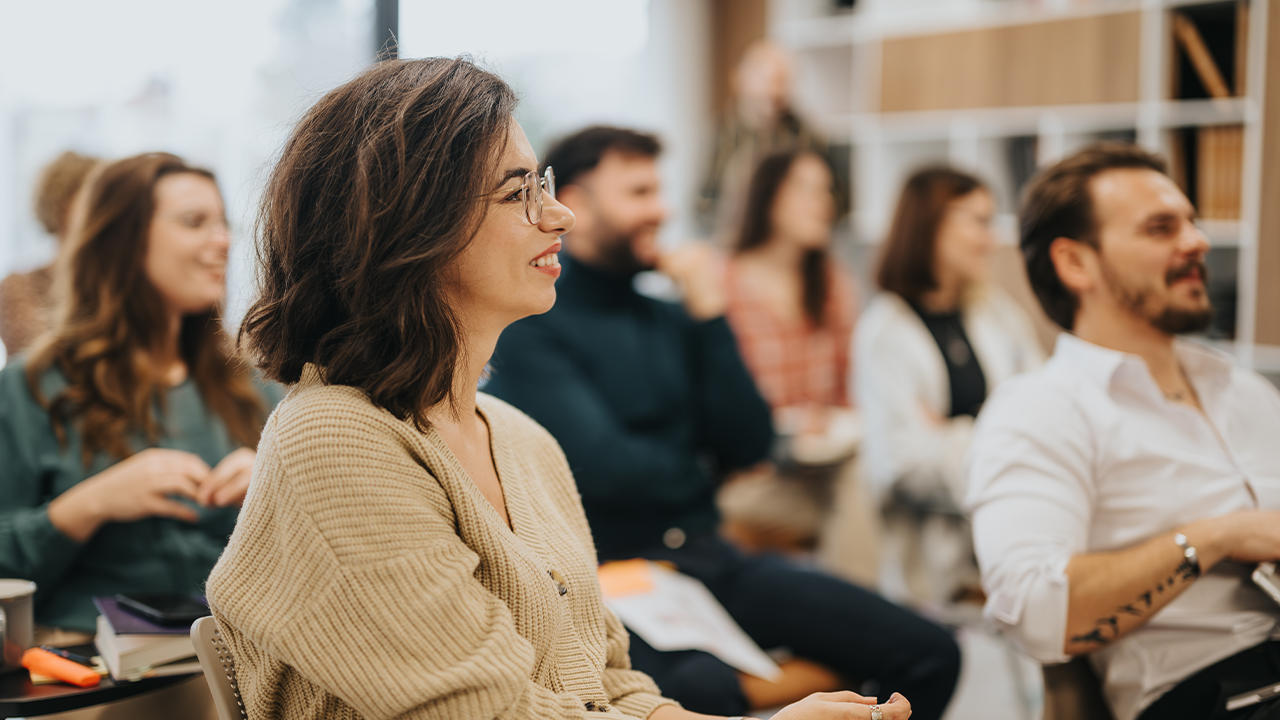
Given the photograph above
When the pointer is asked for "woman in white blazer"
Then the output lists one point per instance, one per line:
(929, 349)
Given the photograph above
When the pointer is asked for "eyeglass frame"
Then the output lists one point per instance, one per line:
(543, 185)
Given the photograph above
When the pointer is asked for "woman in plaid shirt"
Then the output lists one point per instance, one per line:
(793, 311)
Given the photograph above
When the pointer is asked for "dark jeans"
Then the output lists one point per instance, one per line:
(1203, 696)
(850, 631)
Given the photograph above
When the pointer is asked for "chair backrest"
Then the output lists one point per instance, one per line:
(1072, 692)
(219, 669)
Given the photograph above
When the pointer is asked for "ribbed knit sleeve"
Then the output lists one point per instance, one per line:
(630, 691)
(362, 581)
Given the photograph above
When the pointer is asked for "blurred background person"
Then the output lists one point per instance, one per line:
(25, 300)
(928, 350)
(653, 406)
(128, 430)
(792, 309)
(760, 121)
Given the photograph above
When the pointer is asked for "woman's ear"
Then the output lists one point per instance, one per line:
(1076, 264)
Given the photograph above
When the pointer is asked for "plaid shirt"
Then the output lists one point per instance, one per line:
(793, 362)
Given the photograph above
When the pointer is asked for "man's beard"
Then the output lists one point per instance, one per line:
(1171, 320)
(617, 250)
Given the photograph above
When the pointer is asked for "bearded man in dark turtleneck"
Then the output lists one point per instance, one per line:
(654, 407)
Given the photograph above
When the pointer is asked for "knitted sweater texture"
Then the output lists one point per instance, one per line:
(368, 577)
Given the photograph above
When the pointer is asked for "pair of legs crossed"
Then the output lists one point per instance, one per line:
(846, 629)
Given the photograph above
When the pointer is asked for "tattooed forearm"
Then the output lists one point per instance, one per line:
(1093, 636)
(1108, 629)
(1188, 570)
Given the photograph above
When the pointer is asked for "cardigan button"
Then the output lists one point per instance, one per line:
(674, 538)
(561, 586)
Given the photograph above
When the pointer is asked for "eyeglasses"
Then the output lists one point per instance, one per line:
(534, 190)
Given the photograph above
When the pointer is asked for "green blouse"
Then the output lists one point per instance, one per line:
(149, 555)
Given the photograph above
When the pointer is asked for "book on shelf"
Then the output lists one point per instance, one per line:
(1219, 171)
(134, 648)
(1192, 42)
(1210, 42)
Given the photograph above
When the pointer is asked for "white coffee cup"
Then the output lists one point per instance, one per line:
(17, 621)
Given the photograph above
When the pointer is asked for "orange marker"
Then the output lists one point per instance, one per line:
(43, 662)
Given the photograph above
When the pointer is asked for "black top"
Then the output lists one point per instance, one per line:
(968, 384)
(650, 406)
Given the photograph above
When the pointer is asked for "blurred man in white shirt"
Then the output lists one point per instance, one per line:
(1122, 494)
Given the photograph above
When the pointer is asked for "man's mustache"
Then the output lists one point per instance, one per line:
(1187, 269)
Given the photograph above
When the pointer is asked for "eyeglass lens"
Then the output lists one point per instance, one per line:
(534, 187)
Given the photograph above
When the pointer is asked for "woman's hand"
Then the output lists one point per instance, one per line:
(844, 706)
(138, 487)
(229, 481)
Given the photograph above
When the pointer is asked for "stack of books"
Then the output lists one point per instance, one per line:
(1219, 154)
(134, 648)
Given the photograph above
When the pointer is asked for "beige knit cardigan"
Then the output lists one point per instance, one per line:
(368, 577)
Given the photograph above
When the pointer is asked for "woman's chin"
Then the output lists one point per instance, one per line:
(539, 303)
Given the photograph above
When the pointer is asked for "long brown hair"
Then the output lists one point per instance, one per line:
(757, 228)
(379, 189)
(906, 263)
(110, 324)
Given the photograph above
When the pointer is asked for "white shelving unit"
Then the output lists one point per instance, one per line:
(839, 66)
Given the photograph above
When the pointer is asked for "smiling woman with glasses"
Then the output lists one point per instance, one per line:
(410, 547)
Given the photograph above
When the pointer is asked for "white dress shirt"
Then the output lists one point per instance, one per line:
(1087, 455)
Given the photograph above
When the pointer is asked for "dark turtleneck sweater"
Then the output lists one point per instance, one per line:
(650, 406)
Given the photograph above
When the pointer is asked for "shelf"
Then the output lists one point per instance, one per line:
(1004, 122)
(863, 26)
(819, 32)
(1221, 233)
(1186, 113)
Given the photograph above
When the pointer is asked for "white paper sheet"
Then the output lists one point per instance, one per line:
(679, 613)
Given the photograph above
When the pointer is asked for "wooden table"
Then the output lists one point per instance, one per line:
(19, 698)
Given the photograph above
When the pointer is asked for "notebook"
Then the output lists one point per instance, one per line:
(134, 648)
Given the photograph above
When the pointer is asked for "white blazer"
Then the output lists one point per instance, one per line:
(902, 388)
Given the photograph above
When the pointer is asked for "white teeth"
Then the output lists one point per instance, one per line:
(546, 260)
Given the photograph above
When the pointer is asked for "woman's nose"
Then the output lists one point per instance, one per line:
(220, 237)
(556, 218)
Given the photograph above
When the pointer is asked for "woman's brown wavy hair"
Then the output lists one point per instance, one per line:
(906, 260)
(110, 324)
(379, 189)
(757, 228)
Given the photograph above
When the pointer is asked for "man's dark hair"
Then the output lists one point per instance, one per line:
(1058, 203)
(578, 154)
(906, 262)
(380, 188)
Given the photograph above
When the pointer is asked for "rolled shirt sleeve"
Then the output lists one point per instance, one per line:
(1031, 497)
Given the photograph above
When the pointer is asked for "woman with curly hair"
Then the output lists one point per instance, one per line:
(127, 433)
